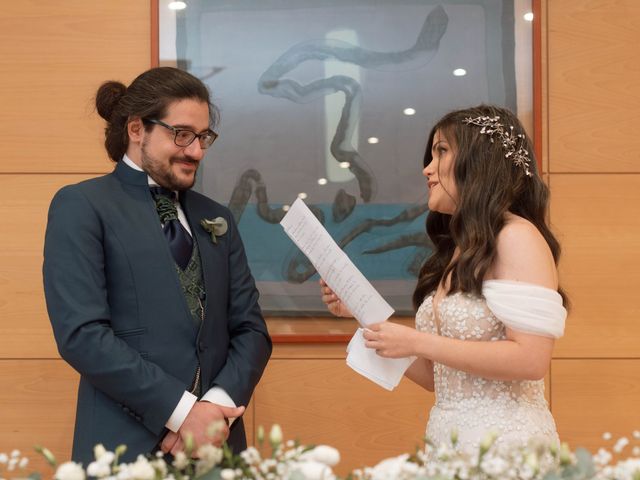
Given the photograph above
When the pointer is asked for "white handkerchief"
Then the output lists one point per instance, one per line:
(386, 372)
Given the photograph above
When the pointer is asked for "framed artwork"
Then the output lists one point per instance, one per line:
(332, 101)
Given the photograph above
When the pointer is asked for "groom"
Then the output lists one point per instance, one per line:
(147, 284)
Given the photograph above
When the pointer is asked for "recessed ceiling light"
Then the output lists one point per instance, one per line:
(409, 111)
(322, 181)
(302, 195)
(345, 164)
(528, 16)
(459, 72)
(177, 6)
(373, 140)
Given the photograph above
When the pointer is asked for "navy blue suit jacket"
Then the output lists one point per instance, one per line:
(121, 320)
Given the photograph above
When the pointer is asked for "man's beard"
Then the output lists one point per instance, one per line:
(163, 174)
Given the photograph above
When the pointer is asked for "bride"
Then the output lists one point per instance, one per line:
(488, 302)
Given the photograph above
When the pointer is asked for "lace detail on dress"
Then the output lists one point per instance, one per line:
(472, 405)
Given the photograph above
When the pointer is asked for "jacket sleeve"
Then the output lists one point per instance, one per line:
(250, 344)
(77, 302)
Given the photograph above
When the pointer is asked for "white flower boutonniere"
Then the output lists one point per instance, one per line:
(216, 227)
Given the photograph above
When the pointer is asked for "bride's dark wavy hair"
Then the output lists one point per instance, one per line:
(489, 185)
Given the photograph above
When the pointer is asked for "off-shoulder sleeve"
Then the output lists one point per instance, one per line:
(526, 307)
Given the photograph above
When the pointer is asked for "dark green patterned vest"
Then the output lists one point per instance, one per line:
(193, 288)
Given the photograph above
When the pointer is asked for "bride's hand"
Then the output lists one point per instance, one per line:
(391, 340)
(334, 304)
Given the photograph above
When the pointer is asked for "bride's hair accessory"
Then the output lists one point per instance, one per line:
(513, 144)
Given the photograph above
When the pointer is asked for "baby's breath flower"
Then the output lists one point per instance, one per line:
(607, 436)
(603, 457)
(620, 444)
(180, 461)
(141, 469)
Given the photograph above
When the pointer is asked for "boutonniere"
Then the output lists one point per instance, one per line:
(216, 227)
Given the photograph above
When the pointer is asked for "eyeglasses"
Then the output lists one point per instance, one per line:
(184, 138)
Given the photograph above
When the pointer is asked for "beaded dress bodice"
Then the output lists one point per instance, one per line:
(472, 405)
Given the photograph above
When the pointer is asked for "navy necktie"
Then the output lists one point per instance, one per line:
(179, 240)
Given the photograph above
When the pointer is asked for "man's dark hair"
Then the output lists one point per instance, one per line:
(148, 96)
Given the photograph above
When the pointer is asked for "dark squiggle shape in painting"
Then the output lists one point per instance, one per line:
(299, 269)
(272, 83)
(242, 193)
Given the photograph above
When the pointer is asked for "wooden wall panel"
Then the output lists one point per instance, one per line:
(594, 75)
(599, 225)
(593, 396)
(322, 401)
(38, 401)
(25, 330)
(53, 57)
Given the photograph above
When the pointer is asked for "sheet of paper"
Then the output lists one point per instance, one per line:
(334, 266)
(386, 372)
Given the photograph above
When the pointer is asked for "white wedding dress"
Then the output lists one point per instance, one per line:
(471, 405)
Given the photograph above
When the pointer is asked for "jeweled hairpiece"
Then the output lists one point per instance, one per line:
(513, 144)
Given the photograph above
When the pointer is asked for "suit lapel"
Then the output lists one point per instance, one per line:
(141, 212)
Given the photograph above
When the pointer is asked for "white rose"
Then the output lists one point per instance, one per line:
(323, 454)
(227, 474)
(70, 471)
(310, 470)
(389, 468)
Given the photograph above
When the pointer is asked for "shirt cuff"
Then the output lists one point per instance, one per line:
(218, 396)
(181, 411)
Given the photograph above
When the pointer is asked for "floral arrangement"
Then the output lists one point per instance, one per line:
(536, 461)
(287, 460)
(292, 461)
